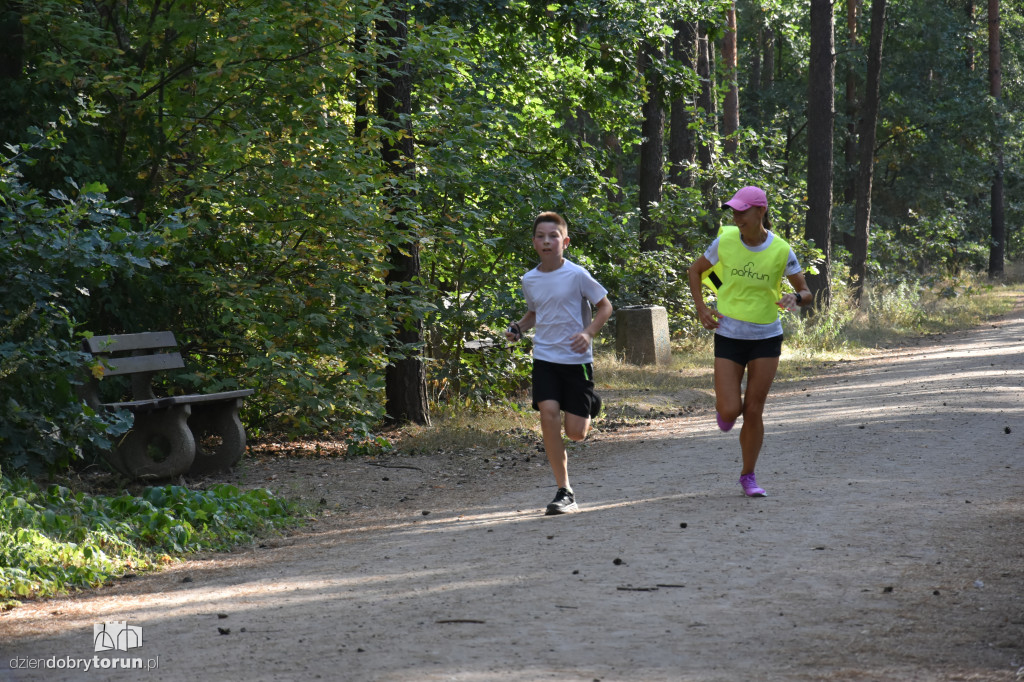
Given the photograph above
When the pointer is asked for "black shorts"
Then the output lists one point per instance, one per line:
(572, 386)
(742, 351)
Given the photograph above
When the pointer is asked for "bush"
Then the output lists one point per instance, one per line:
(53, 540)
(56, 249)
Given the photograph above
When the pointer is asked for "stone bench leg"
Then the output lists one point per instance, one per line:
(159, 445)
(219, 436)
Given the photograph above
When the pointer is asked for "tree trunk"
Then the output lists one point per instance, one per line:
(12, 49)
(731, 108)
(615, 192)
(820, 121)
(768, 70)
(754, 80)
(707, 109)
(680, 136)
(995, 79)
(360, 91)
(969, 35)
(652, 174)
(765, 101)
(850, 141)
(12, 64)
(405, 379)
(865, 174)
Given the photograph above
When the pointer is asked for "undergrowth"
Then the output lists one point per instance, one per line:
(893, 312)
(54, 540)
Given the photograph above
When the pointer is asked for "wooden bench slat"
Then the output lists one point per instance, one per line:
(132, 364)
(170, 401)
(120, 343)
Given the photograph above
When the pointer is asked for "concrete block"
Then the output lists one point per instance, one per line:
(641, 335)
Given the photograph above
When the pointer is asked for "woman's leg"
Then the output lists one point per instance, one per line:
(760, 375)
(728, 378)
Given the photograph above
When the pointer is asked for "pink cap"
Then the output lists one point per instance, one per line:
(747, 197)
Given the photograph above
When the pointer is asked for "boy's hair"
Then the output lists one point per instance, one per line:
(551, 217)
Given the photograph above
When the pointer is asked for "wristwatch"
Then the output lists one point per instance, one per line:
(799, 298)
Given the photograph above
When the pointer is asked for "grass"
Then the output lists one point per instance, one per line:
(894, 314)
(462, 429)
(54, 540)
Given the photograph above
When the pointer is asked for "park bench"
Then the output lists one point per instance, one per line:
(192, 434)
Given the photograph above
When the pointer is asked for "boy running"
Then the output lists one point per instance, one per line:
(558, 299)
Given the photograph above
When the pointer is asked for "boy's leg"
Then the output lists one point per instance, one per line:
(551, 428)
(576, 427)
(582, 403)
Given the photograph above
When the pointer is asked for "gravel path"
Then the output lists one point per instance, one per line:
(891, 547)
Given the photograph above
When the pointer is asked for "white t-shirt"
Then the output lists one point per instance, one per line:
(561, 299)
(739, 329)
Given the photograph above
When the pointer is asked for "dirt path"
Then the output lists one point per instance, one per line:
(891, 547)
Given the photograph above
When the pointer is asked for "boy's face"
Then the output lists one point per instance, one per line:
(549, 241)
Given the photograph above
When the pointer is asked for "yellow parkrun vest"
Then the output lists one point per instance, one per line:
(751, 281)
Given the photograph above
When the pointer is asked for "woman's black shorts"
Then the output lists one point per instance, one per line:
(571, 385)
(742, 351)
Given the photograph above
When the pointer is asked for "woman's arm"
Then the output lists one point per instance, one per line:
(802, 295)
(708, 317)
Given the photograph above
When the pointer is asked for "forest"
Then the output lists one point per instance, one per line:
(325, 200)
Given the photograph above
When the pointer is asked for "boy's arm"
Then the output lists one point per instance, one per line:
(526, 322)
(602, 311)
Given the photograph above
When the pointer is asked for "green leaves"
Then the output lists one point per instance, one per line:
(53, 541)
(231, 186)
(58, 250)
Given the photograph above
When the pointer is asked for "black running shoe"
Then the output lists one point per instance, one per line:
(564, 503)
(595, 406)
